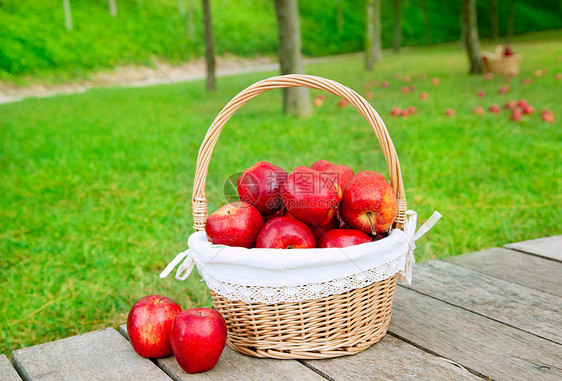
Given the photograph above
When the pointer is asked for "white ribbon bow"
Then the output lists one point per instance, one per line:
(405, 276)
(185, 268)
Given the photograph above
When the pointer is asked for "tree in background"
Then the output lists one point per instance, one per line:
(339, 16)
(187, 13)
(113, 7)
(426, 22)
(494, 20)
(472, 42)
(67, 14)
(296, 100)
(209, 47)
(373, 51)
(397, 25)
(510, 21)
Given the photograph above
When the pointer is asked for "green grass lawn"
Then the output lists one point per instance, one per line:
(95, 188)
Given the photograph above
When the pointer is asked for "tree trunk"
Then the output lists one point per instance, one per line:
(113, 8)
(339, 17)
(510, 21)
(67, 14)
(462, 41)
(494, 20)
(397, 25)
(209, 47)
(426, 23)
(373, 34)
(296, 100)
(181, 7)
(190, 19)
(472, 41)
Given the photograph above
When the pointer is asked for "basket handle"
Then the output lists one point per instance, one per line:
(199, 202)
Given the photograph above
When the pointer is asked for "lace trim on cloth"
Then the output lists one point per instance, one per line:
(270, 295)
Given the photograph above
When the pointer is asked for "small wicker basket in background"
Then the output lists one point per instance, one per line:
(497, 63)
(332, 326)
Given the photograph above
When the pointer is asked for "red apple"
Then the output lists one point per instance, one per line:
(397, 76)
(342, 103)
(369, 203)
(558, 76)
(494, 109)
(198, 337)
(384, 85)
(507, 51)
(405, 89)
(320, 231)
(516, 114)
(478, 110)
(321, 97)
(369, 95)
(424, 96)
(285, 233)
(528, 110)
(404, 113)
(488, 76)
(259, 186)
(234, 224)
(480, 93)
(547, 116)
(450, 112)
(149, 323)
(412, 89)
(522, 103)
(511, 105)
(340, 173)
(412, 110)
(343, 238)
(407, 79)
(318, 102)
(311, 196)
(395, 111)
(435, 81)
(504, 89)
(526, 81)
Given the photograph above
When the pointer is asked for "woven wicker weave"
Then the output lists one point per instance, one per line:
(328, 327)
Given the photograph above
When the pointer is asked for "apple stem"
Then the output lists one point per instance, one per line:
(373, 231)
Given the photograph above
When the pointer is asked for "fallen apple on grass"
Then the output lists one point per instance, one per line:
(424, 96)
(149, 323)
(494, 109)
(478, 110)
(526, 81)
(234, 224)
(198, 337)
(450, 112)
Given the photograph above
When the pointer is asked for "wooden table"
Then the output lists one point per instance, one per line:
(493, 314)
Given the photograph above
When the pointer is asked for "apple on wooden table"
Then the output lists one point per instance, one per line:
(149, 323)
(198, 337)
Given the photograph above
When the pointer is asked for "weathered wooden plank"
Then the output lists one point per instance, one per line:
(524, 269)
(7, 371)
(98, 355)
(548, 247)
(391, 359)
(490, 348)
(236, 366)
(522, 307)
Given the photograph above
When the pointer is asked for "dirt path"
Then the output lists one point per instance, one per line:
(137, 76)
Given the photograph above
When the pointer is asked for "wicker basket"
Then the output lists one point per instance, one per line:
(497, 63)
(332, 326)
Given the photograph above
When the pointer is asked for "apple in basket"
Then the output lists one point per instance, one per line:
(343, 238)
(311, 196)
(149, 323)
(369, 203)
(259, 186)
(320, 231)
(234, 224)
(198, 337)
(340, 173)
(285, 233)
